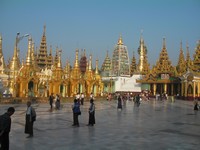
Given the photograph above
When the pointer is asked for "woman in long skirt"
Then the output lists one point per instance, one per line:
(91, 113)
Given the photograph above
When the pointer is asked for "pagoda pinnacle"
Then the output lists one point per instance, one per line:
(76, 59)
(28, 57)
(164, 43)
(97, 70)
(44, 32)
(59, 60)
(120, 41)
(90, 63)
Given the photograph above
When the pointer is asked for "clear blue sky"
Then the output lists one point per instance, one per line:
(95, 25)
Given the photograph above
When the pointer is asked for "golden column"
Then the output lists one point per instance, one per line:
(165, 88)
(194, 89)
(154, 89)
(186, 87)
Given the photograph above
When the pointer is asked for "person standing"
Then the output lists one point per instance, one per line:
(91, 121)
(51, 97)
(5, 126)
(76, 112)
(30, 118)
(91, 96)
(119, 102)
(82, 98)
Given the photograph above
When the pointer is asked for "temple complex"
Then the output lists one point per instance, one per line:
(42, 73)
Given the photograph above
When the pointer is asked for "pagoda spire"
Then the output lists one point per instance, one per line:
(97, 69)
(90, 63)
(28, 57)
(15, 62)
(133, 66)
(59, 64)
(120, 41)
(42, 54)
(44, 31)
(76, 64)
(196, 61)
(163, 65)
(2, 62)
(188, 59)
(143, 65)
(181, 67)
(106, 66)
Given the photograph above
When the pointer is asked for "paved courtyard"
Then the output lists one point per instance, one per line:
(155, 125)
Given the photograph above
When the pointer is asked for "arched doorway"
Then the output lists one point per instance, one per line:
(30, 89)
(190, 91)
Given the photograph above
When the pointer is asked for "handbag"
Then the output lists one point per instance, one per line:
(79, 113)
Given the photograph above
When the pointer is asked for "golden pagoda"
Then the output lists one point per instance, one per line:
(133, 66)
(27, 79)
(43, 58)
(143, 65)
(161, 79)
(41, 74)
(181, 66)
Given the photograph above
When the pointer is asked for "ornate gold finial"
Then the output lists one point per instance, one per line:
(120, 41)
(90, 63)
(59, 64)
(97, 69)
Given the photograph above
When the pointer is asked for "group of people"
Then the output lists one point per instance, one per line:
(76, 110)
(5, 124)
(120, 100)
(30, 117)
(56, 99)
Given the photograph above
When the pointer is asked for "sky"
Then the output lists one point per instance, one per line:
(96, 25)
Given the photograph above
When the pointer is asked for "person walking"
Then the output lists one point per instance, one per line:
(76, 112)
(5, 126)
(30, 118)
(91, 121)
(196, 106)
(51, 97)
(137, 100)
(57, 101)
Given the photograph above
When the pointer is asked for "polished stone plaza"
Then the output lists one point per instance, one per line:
(155, 125)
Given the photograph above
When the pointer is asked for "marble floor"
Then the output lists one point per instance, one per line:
(155, 125)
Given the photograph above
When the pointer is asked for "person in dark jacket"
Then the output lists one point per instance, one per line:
(5, 126)
(91, 121)
(76, 112)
